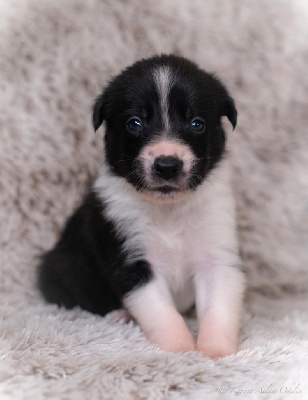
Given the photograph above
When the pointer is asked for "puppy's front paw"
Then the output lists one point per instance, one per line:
(174, 340)
(216, 350)
(175, 344)
(215, 342)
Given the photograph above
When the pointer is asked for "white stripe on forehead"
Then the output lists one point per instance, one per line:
(163, 81)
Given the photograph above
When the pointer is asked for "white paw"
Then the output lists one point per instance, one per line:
(122, 316)
(215, 343)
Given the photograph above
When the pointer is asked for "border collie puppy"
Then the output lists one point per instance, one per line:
(157, 232)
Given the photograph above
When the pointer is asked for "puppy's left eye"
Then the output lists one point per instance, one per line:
(134, 124)
(197, 125)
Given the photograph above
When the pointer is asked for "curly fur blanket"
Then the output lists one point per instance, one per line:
(55, 56)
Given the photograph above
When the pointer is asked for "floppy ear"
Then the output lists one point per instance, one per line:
(98, 112)
(229, 110)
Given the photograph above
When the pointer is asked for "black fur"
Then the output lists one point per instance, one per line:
(87, 266)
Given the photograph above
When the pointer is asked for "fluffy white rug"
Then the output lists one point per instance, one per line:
(54, 58)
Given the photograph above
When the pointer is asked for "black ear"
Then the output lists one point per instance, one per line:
(98, 112)
(229, 110)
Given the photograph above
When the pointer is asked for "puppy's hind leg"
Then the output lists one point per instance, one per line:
(69, 279)
(121, 315)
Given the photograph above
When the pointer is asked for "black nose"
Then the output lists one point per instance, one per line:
(167, 167)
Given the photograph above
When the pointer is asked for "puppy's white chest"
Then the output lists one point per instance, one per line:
(179, 240)
(167, 250)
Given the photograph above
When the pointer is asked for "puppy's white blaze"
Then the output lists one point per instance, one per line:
(163, 82)
(164, 147)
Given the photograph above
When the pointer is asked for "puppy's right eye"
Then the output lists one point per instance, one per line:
(134, 125)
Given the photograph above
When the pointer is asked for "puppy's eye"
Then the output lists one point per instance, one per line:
(134, 124)
(197, 125)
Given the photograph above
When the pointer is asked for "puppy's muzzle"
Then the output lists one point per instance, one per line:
(167, 167)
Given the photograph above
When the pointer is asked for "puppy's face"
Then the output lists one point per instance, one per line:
(163, 125)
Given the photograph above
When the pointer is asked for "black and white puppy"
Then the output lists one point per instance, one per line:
(157, 232)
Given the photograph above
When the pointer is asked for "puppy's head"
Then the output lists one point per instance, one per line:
(163, 125)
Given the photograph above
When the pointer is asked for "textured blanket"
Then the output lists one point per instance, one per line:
(55, 56)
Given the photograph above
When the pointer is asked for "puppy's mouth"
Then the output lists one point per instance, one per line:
(168, 195)
(169, 181)
(166, 189)
(165, 193)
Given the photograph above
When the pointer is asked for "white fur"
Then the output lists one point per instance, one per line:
(163, 81)
(190, 245)
(178, 239)
(153, 308)
(124, 209)
(219, 313)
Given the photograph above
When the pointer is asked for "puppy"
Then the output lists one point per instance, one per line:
(157, 232)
